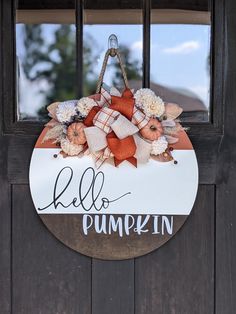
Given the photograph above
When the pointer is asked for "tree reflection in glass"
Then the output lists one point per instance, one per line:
(46, 62)
(46, 56)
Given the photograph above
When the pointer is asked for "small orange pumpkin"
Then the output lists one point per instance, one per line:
(75, 133)
(152, 130)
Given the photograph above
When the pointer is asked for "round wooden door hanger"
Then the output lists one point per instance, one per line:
(114, 175)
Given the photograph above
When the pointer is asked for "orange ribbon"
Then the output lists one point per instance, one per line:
(88, 121)
(122, 149)
(123, 105)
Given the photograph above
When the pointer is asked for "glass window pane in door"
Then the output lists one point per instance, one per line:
(181, 55)
(102, 19)
(45, 56)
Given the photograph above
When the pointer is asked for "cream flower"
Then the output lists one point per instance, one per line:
(84, 105)
(152, 105)
(70, 148)
(142, 95)
(159, 146)
(65, 111)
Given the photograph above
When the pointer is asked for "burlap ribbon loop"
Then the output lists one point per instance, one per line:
(123, 127)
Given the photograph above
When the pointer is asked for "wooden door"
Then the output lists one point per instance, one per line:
(193, 273)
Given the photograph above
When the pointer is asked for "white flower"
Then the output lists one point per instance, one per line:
(142, 95)
(152, 105)
(84, 105)
(65, 111)
(159, 146)
(70, 148)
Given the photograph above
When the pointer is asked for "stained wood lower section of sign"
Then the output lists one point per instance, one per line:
(113, 237)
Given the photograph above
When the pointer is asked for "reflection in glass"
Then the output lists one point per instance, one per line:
(46, 53)
(99, 23)
(180, 59)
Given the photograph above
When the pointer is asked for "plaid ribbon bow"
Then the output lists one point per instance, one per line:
(111, 131)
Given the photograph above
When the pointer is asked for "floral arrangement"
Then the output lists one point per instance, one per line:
(113, 127)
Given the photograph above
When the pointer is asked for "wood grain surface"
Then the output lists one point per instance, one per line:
(192, 273)
(69, 230)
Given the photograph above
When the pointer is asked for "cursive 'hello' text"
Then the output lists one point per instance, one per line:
(89, 191)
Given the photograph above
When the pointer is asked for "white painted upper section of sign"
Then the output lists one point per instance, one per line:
(153, 188)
